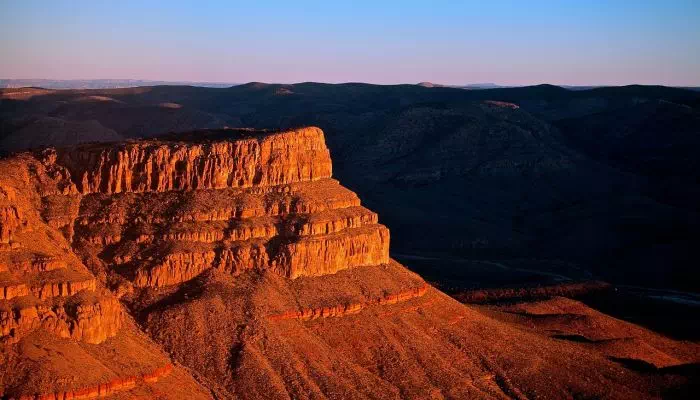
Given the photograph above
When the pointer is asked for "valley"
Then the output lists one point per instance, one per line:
(243, 268)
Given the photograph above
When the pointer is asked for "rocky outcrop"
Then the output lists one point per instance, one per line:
(42, 263)
(110, 388)
(501, 104)
(175, 268)
(256, 159)
(328, 254)
(144, 215)
(95, 322)
(251, 198)
(306, 256)
(325, 253)
(160, 212)
(65, 288)
(9, 291)
(43, 285)
(351, 308)
(46, 290)
(91, 320)
(212, 205)
(10, 221)
(11, 218)
(301, 229)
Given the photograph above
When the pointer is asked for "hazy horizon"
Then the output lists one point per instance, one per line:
(604, 43)
(476, 85)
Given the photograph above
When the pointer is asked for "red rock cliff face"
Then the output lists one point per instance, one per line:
(163, 212)
(275, 159)
(81, 228)
(106, 389)
(88, 320)
(43, 285)
(160, 212)
(10, 221)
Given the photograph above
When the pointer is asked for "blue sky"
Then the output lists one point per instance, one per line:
(451, 42)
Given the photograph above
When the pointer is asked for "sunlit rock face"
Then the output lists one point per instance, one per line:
(161, 212)
(155, 166)
(84, 226)
(43, 285)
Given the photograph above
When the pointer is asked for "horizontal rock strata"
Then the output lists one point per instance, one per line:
(348, 309)
(105, 389)
(91, 320)
(47, 290)
(258, 160)
(161, 212)
(83, 226)
(327, 254)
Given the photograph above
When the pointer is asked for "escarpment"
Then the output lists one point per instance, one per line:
(81, 227)
(43, 284)
(284, 216)
(209, 202)
(163, 211)
(257, 160)
(234, 257)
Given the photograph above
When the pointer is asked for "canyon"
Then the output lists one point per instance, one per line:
(229, 263)
(591, 177)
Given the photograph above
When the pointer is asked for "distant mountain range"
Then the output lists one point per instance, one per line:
(473, 86)
(469, 86)
(101, 83)
(127, 83)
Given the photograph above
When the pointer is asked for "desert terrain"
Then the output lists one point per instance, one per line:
(349, 241)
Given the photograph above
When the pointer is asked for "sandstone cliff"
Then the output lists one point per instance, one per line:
(235, 254)
(83, 226)
(256, 160)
